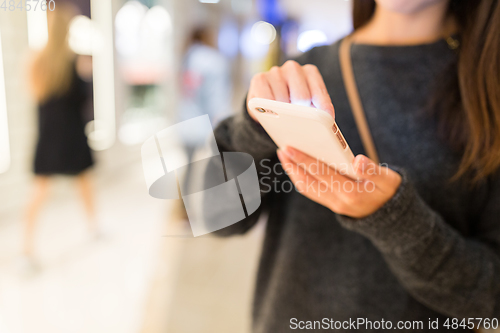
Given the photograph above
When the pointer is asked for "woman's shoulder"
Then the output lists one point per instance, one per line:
(323, 55)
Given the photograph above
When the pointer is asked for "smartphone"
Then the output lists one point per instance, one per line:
(310, 130)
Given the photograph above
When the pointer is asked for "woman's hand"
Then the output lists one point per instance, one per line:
(292, 83)
(324, 185)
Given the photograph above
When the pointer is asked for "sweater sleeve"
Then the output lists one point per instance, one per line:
(240, 133)
(452, 274)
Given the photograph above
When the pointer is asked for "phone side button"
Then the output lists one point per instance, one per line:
(342, 141)
(335, 128)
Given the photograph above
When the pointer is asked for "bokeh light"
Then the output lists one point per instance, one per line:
(158, 20)
(263, 32)
(228, 39)
(84, 37)
(127, 23)
(250, 47)
(311, 38)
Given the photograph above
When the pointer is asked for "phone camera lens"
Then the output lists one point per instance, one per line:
(261, 110)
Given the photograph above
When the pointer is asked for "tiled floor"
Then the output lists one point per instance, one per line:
(215, 284)
(134, 279)
(84, 285)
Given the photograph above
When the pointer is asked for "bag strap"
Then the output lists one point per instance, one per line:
(354, 100)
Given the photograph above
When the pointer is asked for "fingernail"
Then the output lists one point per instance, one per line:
(290, 151)
(279, 153)
(362, 163)
(331, 109)
(302, 102)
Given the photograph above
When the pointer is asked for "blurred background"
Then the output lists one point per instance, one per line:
(96, 253)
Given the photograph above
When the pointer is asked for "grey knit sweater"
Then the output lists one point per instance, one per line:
(431, 252)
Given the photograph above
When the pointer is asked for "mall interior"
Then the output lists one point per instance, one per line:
(144, 271)
(138, 269)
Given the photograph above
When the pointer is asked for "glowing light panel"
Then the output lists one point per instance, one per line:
(38, 33)
(103, 136)
(4, 126)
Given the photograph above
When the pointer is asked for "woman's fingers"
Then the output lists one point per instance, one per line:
(342, 195)
(318, 169)
(293, 83)
(384, 178)
(342, 198)
(306, 184)
(278, 85)
(296, 81)
(259, 87)
(319, 95)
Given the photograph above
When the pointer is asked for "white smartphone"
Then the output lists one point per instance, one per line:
(310, 130)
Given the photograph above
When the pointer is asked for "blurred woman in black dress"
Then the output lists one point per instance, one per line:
(61, 95)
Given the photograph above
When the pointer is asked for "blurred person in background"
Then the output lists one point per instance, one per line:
(62, 147)
(206, 84)
(422, 244)
(206, 90)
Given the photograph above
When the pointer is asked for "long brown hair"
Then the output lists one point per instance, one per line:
(51, 69)
(467, 103)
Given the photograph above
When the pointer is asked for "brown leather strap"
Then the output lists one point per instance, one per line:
(354, 100)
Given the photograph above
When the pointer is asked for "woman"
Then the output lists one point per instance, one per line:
(61, 95)
(424, 246)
